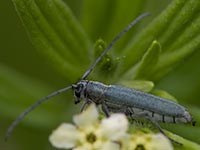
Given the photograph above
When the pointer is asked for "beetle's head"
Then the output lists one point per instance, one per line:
(79, 91)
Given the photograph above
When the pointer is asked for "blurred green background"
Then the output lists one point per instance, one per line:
(18, 57)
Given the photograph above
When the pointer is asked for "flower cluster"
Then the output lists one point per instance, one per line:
(90, 133)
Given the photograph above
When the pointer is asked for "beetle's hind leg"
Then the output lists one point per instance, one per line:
(146, 116)
(161, 130)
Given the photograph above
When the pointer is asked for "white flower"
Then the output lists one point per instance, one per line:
(149, 141)
(89, 133)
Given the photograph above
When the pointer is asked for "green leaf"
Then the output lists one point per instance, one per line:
(107, 19)
(148, 62)
(56, 34)
(18, 91)
(141, 85)
(92, 22)
(164, 94)
(186, 143)
(169, 26)
(120, 10)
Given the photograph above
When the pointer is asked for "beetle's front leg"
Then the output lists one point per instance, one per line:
(85, 104)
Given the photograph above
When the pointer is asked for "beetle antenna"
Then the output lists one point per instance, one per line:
(30, 108)
(85, 75)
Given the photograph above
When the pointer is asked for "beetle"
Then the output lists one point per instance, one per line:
(115, 98)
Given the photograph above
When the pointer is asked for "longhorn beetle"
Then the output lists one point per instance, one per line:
(114, 98)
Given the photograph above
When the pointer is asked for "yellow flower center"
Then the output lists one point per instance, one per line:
(140, 147)
(91, 138)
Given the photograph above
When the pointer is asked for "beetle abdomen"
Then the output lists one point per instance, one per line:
(134, 112)
(133, 102)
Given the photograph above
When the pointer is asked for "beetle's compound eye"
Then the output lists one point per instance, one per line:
(77, 94)
(78, 90)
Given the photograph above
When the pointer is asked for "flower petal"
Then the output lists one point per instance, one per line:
(160, 142)
(65, 136)
(149, 141)
(110, 146)
(115, 126)
(87, 118)
(80, 148)
(85, 146)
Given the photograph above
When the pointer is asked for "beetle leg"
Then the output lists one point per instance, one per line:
(146, 116)
(85, 104)
(105, 109)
